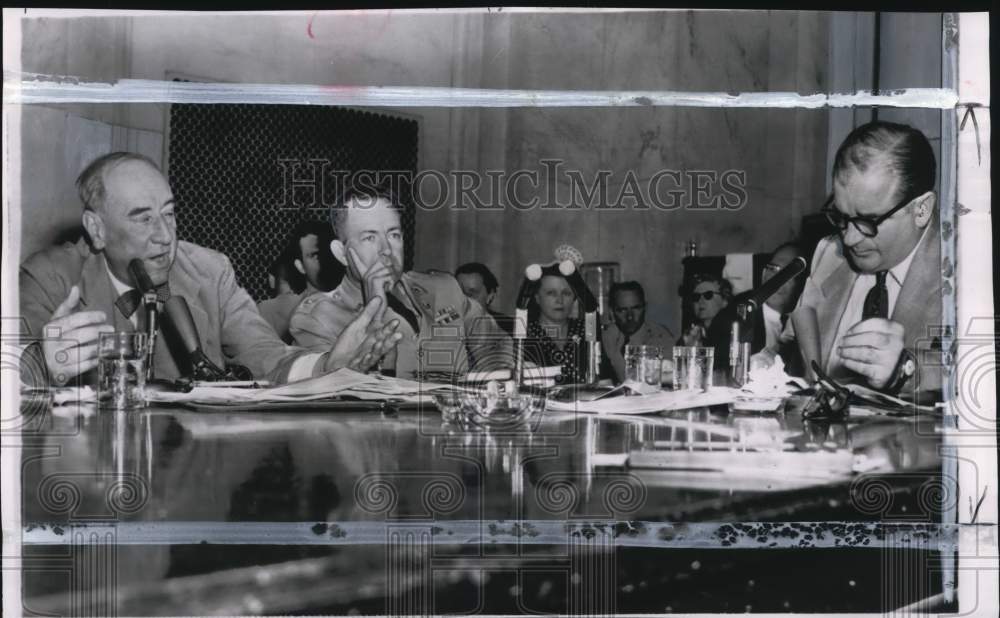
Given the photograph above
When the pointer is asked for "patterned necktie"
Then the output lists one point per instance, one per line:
(877, 301)
(128, 302)
(402, 311)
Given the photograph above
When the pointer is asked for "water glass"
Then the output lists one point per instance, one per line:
(693, 368)
(643, 364)
(121, 371)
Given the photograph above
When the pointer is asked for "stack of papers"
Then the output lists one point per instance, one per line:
(648, 404)
(340, 383)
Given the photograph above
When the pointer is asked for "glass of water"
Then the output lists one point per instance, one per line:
(121, 371)
(693, 368)
(642, 364)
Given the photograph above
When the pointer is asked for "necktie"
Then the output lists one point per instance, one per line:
(402, 310)
(624, 343)
(128, 302)
(877, 301)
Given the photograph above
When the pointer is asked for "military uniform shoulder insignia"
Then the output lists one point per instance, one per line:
(446, 315)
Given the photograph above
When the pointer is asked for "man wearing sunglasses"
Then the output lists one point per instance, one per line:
(876, 285)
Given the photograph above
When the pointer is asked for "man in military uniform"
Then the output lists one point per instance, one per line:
(69, 297)
(443, 330)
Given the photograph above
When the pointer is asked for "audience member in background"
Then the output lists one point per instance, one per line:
(129, 213)
(443, 330)
(710, 295)
(553, 337)
(309, 244)
(286, 285)
(768, 322)
(876, 286)
(308, 266)
(479, 284)
(630, 327)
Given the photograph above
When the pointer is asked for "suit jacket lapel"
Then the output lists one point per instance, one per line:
(836, 291)
(921, 286)
(183, 283)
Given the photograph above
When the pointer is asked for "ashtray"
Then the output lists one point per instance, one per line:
(499, 405)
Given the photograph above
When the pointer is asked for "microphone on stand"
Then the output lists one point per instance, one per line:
(529, 285)
(588, 302)
(773, 284)
(152, 305)
(741, 331)
(179, 318)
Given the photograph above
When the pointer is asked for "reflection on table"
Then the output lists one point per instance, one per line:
(174, 471)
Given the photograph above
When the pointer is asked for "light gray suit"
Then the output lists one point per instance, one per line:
(229, 326)
(918, 306)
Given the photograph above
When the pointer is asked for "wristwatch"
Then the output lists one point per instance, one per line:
(906, 367)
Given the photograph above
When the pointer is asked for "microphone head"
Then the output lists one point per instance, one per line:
(179, 317)
(567, 267)
(139, 275)
(533, 272)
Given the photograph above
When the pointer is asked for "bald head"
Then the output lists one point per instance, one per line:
(91, 183)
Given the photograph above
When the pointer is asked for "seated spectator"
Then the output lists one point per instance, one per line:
(286, 285)
(630, 327)
(553, 337)
(711, 294)
(309, 246)
(480, 284)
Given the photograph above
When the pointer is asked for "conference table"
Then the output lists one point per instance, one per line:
(386, 509)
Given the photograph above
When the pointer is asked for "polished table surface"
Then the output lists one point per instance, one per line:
(188, 492)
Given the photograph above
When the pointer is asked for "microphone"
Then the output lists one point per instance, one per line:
(153, 306)
(179, 318)
(591, 329)
(529, 285)
(768, 289)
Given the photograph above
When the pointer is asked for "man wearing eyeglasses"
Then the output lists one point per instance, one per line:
(876, 286)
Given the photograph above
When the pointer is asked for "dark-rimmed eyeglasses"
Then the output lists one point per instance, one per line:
(707, 295)
(865, 225)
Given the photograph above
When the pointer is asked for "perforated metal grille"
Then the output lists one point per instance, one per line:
(227, 168)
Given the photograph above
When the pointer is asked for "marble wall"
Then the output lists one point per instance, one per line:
(783, 153)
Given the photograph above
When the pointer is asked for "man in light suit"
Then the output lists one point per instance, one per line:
(876, 286)
(68, 298)
(443, 330)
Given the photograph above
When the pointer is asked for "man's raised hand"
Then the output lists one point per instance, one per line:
(70, 339)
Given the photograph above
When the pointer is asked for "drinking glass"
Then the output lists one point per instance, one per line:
(693, 367)
(643, 364)
(121, 371)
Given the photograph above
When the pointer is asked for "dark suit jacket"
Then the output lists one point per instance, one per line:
(229, 326)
